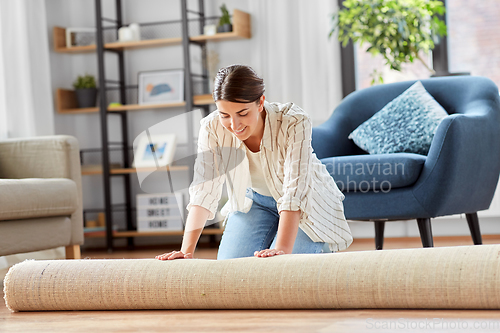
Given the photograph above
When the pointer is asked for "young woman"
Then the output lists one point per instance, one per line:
(281, 198)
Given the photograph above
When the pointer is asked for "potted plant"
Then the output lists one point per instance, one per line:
(399, 30)
(86, 91)
(225, 20)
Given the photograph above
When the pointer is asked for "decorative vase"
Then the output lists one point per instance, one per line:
(86, 98)
(225, 28)
(136, 31)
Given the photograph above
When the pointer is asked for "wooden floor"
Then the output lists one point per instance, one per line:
(259, 320)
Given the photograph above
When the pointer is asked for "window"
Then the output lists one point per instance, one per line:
(366, 64)
(473, 46)
(474, 37)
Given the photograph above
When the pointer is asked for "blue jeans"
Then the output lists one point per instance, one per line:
(256, 230)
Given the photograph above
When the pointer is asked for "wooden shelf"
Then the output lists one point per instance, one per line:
(241, 30)
(143, 43)
(137, 107)
(59, 37)
(203, 99)
(79, 110)
(134, 170)
(76, 49)
(88, 170)
(96, 169)
(122, 234)
(164, 233)
(66, 104)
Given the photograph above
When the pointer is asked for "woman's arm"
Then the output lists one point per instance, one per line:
(287, 230)
(295, 184)
(288, 227)
(196, 220)
(204, 191)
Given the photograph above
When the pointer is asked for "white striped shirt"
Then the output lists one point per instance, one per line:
(295, 177)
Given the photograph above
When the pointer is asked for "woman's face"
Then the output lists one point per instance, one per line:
(242, 119)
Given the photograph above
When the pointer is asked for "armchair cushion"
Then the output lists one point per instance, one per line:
(406, 124)
(381, 172)
(35, 198)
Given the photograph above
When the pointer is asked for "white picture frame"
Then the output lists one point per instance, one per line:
(154, 151)
(159, 87)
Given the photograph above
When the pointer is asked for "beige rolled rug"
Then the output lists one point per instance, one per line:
(465, 277)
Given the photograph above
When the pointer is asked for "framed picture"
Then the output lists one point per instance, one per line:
(154, 151)
(157, 87)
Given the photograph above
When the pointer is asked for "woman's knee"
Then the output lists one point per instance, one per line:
(239, 241)
(304, 244)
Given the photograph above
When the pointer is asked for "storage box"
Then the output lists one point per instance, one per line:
(161, 211)
(169, 223)
(158, 212)
(159, 199)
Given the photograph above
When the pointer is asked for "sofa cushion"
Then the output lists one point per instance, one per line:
(35, 197)
(28, 235)
(381, 172)
(406, 124)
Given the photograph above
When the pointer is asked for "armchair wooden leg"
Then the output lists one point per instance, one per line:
(73, 252)
(473, 222)
(379, 234)
(424, 226)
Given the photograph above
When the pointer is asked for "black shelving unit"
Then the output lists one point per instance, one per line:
(105, 85)
(178, 33)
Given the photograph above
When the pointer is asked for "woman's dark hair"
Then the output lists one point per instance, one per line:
(238, 83)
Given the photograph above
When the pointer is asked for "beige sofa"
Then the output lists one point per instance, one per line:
(40, 195)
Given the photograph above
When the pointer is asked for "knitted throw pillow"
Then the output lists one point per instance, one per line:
(406, 124)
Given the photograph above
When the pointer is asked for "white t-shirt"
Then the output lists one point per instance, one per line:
(256, 174)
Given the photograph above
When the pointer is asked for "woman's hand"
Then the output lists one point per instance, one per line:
(174, 255)
(268, 253)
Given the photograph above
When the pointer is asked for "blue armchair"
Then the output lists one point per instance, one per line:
(458, 176)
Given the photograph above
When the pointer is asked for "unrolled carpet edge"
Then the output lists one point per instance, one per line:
(6, 281)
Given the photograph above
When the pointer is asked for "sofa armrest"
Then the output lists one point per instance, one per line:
(331, 138)
(45, 157)
(462, 167)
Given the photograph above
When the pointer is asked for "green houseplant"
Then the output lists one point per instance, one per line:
(86, 91)
(225, 20)
(399, 30)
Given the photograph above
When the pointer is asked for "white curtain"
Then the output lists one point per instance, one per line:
(26, 105)
(298, 61)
